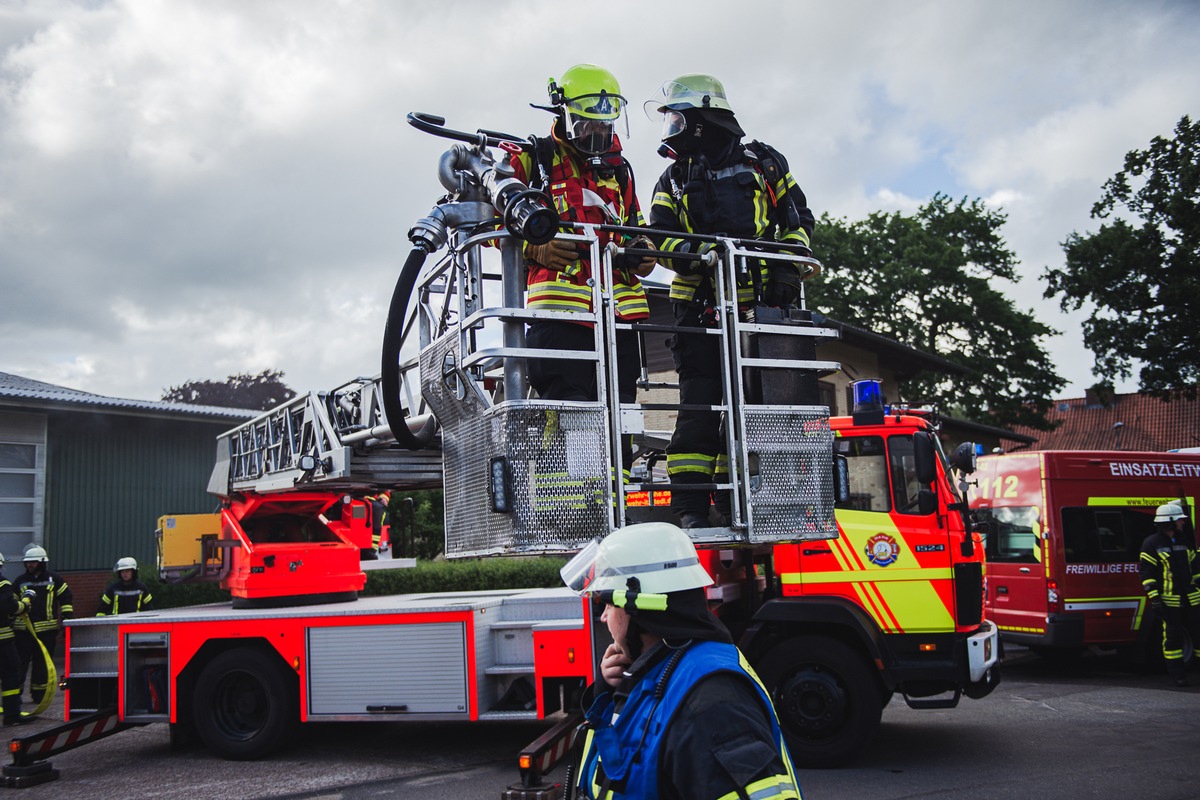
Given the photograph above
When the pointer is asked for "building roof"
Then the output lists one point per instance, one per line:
(1125, 422)
(20, 391)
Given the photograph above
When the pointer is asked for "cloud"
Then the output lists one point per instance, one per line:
(196, 188)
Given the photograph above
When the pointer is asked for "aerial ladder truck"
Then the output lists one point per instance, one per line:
(836, 612)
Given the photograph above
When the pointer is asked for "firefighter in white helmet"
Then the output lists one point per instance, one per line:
(51, 604)
(12, 605)
(1170, 571)
(671, 677)
(126, 594)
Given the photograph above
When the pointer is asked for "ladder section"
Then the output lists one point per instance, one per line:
(539, 645)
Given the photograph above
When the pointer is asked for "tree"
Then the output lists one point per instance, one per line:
(927, 281)
(260, 392)
(1142, 280)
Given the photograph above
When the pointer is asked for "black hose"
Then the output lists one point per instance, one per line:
(393, 333)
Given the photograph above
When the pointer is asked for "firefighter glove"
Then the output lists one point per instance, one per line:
(709, 250)
(783, 286)
(555, 254)
(28, 594)
(637, 264)
(1156, 602)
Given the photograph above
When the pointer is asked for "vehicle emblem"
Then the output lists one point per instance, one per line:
(882, 550)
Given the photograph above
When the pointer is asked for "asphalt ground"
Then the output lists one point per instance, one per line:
(1095, 728)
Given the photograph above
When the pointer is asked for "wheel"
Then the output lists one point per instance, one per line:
(245, 704)
(828, 701)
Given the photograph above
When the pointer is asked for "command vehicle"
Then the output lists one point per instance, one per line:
(1063, 534)
(836, 612)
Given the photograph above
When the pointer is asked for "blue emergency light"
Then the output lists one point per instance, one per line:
(868, 402)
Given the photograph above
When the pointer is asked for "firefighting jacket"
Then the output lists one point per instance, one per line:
(53, 602)
(12, 605)
(646, 750)
(125, 598)
(583, 193)
(1170, 569)
(749, 194)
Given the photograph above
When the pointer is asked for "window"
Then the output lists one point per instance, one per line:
(827, 396)
(1100, 535)
(18, 495)
(905, 488)
(1011, 534)
(866, 460)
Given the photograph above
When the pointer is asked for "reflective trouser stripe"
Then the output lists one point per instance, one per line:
(776, 787)
(690, 462)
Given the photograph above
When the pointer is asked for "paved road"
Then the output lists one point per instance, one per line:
(1093, 730)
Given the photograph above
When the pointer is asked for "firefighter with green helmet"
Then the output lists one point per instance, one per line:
(1169, 567)
(12, 606)
(678, 711)
(51, 604)
(580, 166)
(717, 185)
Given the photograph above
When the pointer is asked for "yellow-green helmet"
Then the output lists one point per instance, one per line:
(592, 104)
(690, 91)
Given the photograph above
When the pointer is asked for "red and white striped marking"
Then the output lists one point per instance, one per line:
(68, 738)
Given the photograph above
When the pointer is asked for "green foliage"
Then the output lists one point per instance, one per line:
(173, 595)
(1142, 279)
(466, 575)
(928, 281)
(418, 524)
(260, 392)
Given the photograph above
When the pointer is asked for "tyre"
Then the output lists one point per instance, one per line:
(245, 704)
(828, 701)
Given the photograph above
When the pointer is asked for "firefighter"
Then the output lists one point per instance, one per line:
(12, 606)
(716, 184)
(581, 167)
(379, 504)
(680, 712)
(126, 594)
(51, 605)
(1170, 572)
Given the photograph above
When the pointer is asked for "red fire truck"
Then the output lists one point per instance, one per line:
(837, 613)
(1064, 529)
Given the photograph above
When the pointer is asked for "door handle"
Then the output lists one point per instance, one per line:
(1024, 570)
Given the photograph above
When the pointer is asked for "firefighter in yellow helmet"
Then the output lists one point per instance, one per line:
(1169, 567)
(12, 605)
(716, 184)
(680, 712)
(581, 167)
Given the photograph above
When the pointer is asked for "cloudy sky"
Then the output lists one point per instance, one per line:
(195, 188)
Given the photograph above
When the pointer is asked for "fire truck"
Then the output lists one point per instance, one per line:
(1064, 530)
(837, 612)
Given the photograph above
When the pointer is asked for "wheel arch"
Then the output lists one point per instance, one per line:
(185, 681)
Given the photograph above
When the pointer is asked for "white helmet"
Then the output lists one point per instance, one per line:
(654, 558)
(1, 559)
(36, 553)
(125, 563)
(1169, 513)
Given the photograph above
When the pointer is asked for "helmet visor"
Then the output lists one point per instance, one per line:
(593, 119)
(580, 572)
(677, 96)
(674, 124)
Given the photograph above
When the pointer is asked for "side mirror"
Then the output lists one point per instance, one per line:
(926, 501)
(925, 458)
(841, 479)
(964, 458)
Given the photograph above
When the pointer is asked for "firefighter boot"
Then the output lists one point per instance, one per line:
(690, 505)
(12, 708)
(721, 515)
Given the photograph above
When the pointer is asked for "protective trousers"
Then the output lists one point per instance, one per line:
(574, 379)
(1177, 619)
(10, 680)
(32, 661)
(697, 448)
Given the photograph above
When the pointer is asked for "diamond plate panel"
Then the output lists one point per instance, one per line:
(792, 494)
(558, 470)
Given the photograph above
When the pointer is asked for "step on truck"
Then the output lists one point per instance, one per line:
(1063, 534)
(837, 610)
